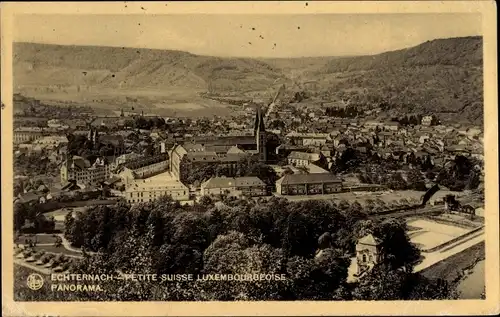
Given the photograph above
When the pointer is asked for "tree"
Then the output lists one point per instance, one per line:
(397, 182)
(58, 242)
(20, 216)
(416, 181)
(397, 249)
(383, 283)
(233, 254)
(251, 166)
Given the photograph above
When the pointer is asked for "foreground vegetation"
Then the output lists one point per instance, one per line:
(243, 237)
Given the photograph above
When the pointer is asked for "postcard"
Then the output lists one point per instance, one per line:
(249, 158)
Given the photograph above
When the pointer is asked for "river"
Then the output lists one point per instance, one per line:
(472, 285)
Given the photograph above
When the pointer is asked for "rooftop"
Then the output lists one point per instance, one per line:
(369, 240)
(317, 178)
(303, 156)
(227, 182)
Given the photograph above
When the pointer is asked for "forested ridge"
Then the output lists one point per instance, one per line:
(442, 76)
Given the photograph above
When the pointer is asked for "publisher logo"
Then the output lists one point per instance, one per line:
(35, 281)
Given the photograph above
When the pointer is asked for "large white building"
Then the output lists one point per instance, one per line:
(147, 190)
(143, 167)
(27, 134)
(80, 170)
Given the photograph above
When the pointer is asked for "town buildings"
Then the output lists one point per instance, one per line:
(27, 134)
(297, 158)
(427, 120)
(368, 253)
(225, 151)
(141, 168)
(308, 184)
(236, 187)
(80, 170)
(147, 190)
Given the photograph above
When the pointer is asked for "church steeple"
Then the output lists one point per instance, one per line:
(260, 134)
(259, 121)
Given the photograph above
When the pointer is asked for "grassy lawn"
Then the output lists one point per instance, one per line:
(40, 238)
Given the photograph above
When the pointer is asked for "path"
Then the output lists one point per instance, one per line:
(33, 267)
(438, 256)
(67, 246)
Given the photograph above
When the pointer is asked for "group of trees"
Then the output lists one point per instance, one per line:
(459, 174)
(408, 120)
(34, 164)
(147, 123)
(462, 173)
(346, 112)
(395, 181)
(310, 242)
(28, 218)
(27, 185)
(80, 145)
(35, 108)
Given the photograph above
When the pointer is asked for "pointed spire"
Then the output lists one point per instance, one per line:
(259, 120)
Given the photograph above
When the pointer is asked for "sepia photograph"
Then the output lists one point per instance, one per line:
(267, 156)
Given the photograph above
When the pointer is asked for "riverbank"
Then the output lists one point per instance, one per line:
(471, 285)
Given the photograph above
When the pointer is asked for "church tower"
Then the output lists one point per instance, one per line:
(95, 139)
(260, 135)
(91, 134)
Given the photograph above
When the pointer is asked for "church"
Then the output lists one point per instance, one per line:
(223, 151)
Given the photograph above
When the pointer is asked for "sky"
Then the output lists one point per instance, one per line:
(249, 35)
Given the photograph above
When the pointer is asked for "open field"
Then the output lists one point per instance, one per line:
(428, 234)
(40, 238)
(161, 102)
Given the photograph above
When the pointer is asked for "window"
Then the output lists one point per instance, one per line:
(364, 258)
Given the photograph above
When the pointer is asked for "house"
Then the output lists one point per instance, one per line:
(51, 141)
(306, 139)
(30, 198)
(367, 253)
(27, 134)
(302, 158)
(427, 120)
(141, 167)
(80, 170)
(391, 126)
(308, 184)
(148, 190)
(237, 186)
(372, 124)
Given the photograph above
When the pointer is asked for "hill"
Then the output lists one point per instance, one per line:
(114, 67)
(442, 76)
